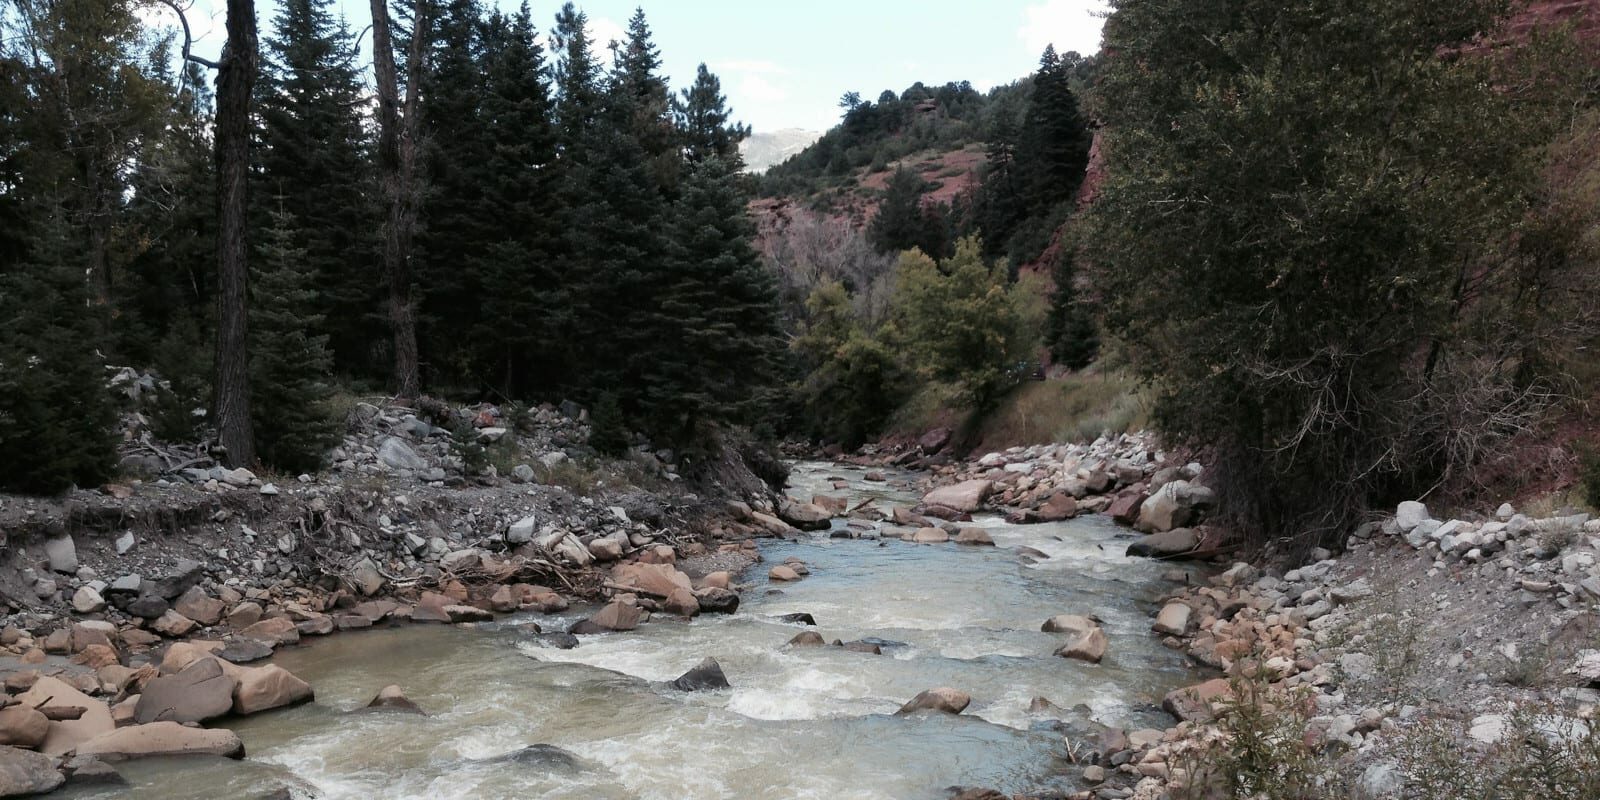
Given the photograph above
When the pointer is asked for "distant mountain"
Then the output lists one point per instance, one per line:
(763, 150)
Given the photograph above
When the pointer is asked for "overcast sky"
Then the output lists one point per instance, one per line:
(784, 65)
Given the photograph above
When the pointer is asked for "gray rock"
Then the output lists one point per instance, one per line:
(705, 676)
(24, 772)
(396, 454)
(1170, 544)
(184, 574)
(63, 554)
(198, 693)
(522, 473)
(128, 584)
(125, 542)
(367, 578)
(521, 531)
(1409, 515)
(87, 600)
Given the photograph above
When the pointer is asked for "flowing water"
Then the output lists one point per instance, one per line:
(798, 723)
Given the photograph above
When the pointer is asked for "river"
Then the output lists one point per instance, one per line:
(798, 723)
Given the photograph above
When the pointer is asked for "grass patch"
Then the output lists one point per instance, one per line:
(1077, 408)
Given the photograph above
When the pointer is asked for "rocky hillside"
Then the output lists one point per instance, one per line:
(763, 149)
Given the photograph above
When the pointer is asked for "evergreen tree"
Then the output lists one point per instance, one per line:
(1000, 204)
(289, 363)
(705, 125)
(314, 157)
(523, 321)
(577, 82)
(1054, 141)
(636, 74)
(898, 224)
(1070, 330)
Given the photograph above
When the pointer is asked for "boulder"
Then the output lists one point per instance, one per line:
(1060, 506)
(805, 516)
(783, 573)
(1409, 515)
(974, 536)
(799, 618)
(162, 739)
(173, 624)
(772, 526)
(1165, 509)
(806, 639)
(543, 757)
(391, 698)
(396, 454)
(23, 772)
(366, 578)
(1090, 647)
(199, 606)
(1170, 544)
(87, 601)
(465, 613)
(705, 676)
(967, 496)
(607, 548)
(615, 616)
(1125, 509)
(268, 687)
(933, 441)
(23, 726)
(1174, 619)
(1072, 624)
(244, 615)
(275, 631)
(66, 734)
(1193, 703)
(945, 699)
(836, 506)
(681, 602)
(658, 580)
(717, 580)
(200, 692)
(63, 554)
(185, 573)
(930, 536)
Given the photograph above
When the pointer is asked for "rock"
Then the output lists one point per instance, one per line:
(716, 600)
(1383, 779)
(463, 560)
(558, 639)
(1409, 515)
(1060, 506)
(1193, 703)
(523, 473)
(783, 573)
(391, 698)
(244, 615)
(606, 548)
(200, 692)
(801, 618)
(945, 699)
(87, 601)
(23, 726)
(1073, 624)
(705, 676)
(199, 606)
(162, 739)
(933, 441)
(238, 477)
(615, 616)
(173, 624)
(544, 757)
(366, 577)
(1358, 589)
(396, 454)
(1090, 647)
(806, 639)
(1489, 728)
(862, 646)
(1168, 544)
(268, 687)
(464, 613)
(717, 580)
(521, 531)
(124, 543)
(63, 554)
(244, 651)
(275, 631)
(64, 735)
(23, 772)
(86, 771)
(1165, 509)
(805, 516)
(659, 580)
(1125, 509)
(930, 536)
(974, 536)
(967, 496)
(185, 573)
(1173, 619)
(681, 602)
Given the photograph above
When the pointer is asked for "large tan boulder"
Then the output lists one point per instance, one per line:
(615, 616)
(772, 526)
(66, 734)
(268, 687)
(1175, 543)
(974, 537)
(966, 496)
(944, 699)
(681, 602)
(1058, 507)
(1071, 624)
(659, 580)
(23, 726)
(274, 631)
(1090, 647)
(717, 580)
(930, 536)
(200, 692)
(199, 606)
(783, 572)
(162, 739)
(805, 516)
(181, 654)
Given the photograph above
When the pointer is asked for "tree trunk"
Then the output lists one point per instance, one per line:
(235, 84)
(397, 165)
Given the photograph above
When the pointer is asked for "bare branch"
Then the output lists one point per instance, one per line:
(188, 37)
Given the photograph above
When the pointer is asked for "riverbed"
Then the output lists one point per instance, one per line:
(798, 722)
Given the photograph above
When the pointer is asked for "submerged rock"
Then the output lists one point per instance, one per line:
(705, 676)
(802, 618)
(392, 698)
(543, 756)
(943, 699)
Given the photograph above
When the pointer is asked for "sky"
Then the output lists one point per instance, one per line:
(785, 65)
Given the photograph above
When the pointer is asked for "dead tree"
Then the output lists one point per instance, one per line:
(397, 167)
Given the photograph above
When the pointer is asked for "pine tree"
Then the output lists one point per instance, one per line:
(1054, 141)
(636, 74)
(289, 363)
(314, 156)
(899, 222)
(577, 82)
(705, 123)
(1070, 330)
(522, 323)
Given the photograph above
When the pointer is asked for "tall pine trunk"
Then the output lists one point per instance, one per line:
(235, 84)
(397, 165)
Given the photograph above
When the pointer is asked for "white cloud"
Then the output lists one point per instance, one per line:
(604, 31)
(1068, 24)
(736, 66)
(756, 89)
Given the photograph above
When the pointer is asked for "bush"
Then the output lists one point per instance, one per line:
(1589, 463)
